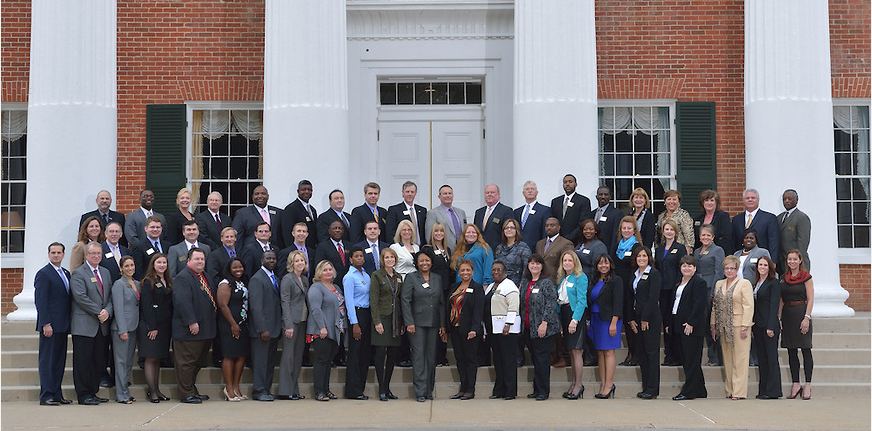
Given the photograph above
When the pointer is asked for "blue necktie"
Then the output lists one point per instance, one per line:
(275, 286)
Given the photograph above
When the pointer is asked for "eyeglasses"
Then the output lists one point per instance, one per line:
(510, 227)
(730, 268)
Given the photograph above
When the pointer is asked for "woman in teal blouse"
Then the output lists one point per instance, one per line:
(572, 297)
(473, 247)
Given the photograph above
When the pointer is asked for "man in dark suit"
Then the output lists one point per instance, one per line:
(532, 216)
(607, 217)
(490, 218)
(407, 210)
(795, 230)
(246, 219)
(89, 323)
(372, 247)
(265, 325)
(366, 212)
(106, 215)
(194, 324)
(52, 298)
(177, 257)
(113, 251)
(219, 257)
(252, 252)
(300, 241)
(149, 244)
(300, 211)
(570, 209)
(335, 250)
(135, 222)
(212, 221)
(765, 223)
(334, 213)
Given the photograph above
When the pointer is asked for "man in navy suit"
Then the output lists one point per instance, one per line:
(532, 216)
(113, 251)
(106, 215)
(766, 224)
(148, 245)
(219, 257)
(300, 211)
(252, 252)
(300, 242)
(490, 218)
(52, 298)
(407, 210)
(245, 220)
(607, 217)
(372, 247)
(366, 212)
(335, 213)
(212, 221)
(570, 209)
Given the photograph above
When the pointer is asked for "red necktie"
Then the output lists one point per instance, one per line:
(218, 220)
(99, 282)
(341, 253)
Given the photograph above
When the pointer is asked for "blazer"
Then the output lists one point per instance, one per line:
(368, 257)
(647, 227)
(217, 260)
(647, 307)
(264, 306)
(610, 298)
(534, 229)
(766, 225)
(743, 302)
(326, 219)
(670, 265)
(252, 254)
(576, 290)
(685, 227)
(142, 252)
(609, 226)
(795, 232)
(482, 261)
(324, 312)
(360, 215)
(326, 251)
(575, 214)
(210, 232)
(175, 223)
(709, 265)
(438, 214)
(551, 256)
(155, 306)
(423, 305)
(381, 299)
(749, 266)
(588, 254)
(767, 300)
(52, 299)
(134, 225)
(191, 304)
(177, 257)
(77, 254)
(295, 213)
(125, 303)
(88, 301)
(294, 295)
(109, 262)
(542, 308)
(692, 307)
(493, 229)
(285, 253)
(398, 213)
(245, 222)
(471, 310)
(114, 216)
(723, 231)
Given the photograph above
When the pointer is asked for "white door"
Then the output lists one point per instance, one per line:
(432, 148)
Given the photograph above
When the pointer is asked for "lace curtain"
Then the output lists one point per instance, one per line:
(648, 120)
(213, 124)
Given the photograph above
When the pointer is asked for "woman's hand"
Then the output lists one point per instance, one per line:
(506, 329)
(743, 333)
(644, 326)
(235, 330)
(543, 327)
(770, 333)
(714, 333)
(323, 333)
(803, 326)
(152, 334)
(470, 335)
(411, 329)
(573, 325)
(443, 335)
(380, 328)
(123, 336)
(355, 331)
(613, 329)
(289, 333)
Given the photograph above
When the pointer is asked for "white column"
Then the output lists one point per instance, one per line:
(71, 126)
(555, 119)
(305, 127)
(789, 127)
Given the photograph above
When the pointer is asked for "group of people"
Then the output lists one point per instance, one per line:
(388, 286)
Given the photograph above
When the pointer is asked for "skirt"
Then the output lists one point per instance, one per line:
(599, 333)
(791, 336)
(157, 348)
(385, 339)
(571, 341)
(233, 347)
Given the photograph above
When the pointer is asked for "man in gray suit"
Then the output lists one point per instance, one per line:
(452, 218)
(90, 287)
(265, 328)
(177, 256)
(134, 223)
(795, 229)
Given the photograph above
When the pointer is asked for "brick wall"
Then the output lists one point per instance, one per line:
(857, 279)
(15, 45)
(11, 280)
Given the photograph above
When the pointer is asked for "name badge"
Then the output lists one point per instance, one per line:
(697, 223)
(437, 252)
(108, 255)
(426, 285)
(570, 204)
(644, 276)
(154, 306)
(273, 212)
(569, 284)
(602, 219)
(470, 290)
(704, 253)
(532, 212)
(406, 212)
(628, 253)
(754, 261)
(367, 250)
(183, 258)
(93, 279)
(534, 291)
(496, 220)
(308, 219)
(585, 251)
(149, 251)
(674, 250)
(790, 228)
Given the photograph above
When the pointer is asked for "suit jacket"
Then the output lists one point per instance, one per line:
(191, 304)
(493, 229)
(359, 216)
(381, 298)
(294, 294)
(723, 231)
(670, 265)
(125, 303)
(795, 232)
(324, 312)
(397, 213)
(610, 298)
(534, 229)
(142, 252)
(438, 214)
(155, 306)
(749, 267)
(575, 213)
(295, 213)
(766, 302)
(177, 257)
(246, 220)
(766, 225)
(134, 226)
(217, 260)
(264, 306)
(743, 303)
(709, 266)
(210, 232)
(114, 216)
(543, 306)
(472, 308)
(326, 251)
(109, 262)
(576, 291)
(648, 299)
(609, 226)
(88, 301)
(368, 258)
(590, 252)
(52, 299)
(646, 228)
(552, 255)
(423, 306)
(282, 266)
(692, 307)
(252, 254)
(175, 224)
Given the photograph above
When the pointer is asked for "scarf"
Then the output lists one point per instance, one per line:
(724, 311)
(456, 305)
(624, 246)
(800, 277)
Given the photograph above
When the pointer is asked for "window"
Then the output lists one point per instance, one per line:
(851, 137)
(227, 155)
(14, 182)
(430, 93)
(636, 151)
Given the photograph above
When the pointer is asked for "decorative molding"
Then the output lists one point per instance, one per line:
(649, 88)
(430, 20)
(852, 87)
(242, 90)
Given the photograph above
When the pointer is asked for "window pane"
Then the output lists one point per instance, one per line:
(440, 93)
(843, 163)
(17, 194)
(422, 93)
(623, 142)
(843, 188)
(861, 236)
(643, 164)
(843, 141)
(843, 212)
(623, 188)
(388, 93)
(643, 142)
(624, 164)
(18, 147)
(861, 189)
(861, 213)
(846, 237)
(608, 143)
(861, 164)
(607, 163)
(456, 93)
(405, 94)
(473, 93)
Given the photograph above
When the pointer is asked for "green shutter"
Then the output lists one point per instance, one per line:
(165, 155)
(697, 161)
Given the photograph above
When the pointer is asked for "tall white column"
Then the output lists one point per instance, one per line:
(71, 126)
(305, 127)
(789, 127)
(555, 119)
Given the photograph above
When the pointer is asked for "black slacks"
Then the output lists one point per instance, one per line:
(769, 369)
(671, 347)
(89, 359)
(466, 356)
(359, 354)
(325, 349)
(691, 351)
(52, 360)
(540, 353)
(505, 359)
(648, 355)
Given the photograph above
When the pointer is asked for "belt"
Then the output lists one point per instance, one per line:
(361, 308)
(794, 303)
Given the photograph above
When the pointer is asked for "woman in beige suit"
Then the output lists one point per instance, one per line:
(732, 317)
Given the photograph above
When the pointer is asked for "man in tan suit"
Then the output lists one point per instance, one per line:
(551, 247)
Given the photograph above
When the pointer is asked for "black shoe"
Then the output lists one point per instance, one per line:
(456, 396)
(429, 397)
(468, 396)
(382, 397)
(493, 397)
(284, 397)
(49, 403)
(510, 397)
(391, 396)
(102, 400)
(359, 397)
(646, 396)
(193, 399)
(106, 383)
(202, 397)
(65, 401)
(533, 395)
(766, 397)
(421, 399)
(541, 397)
(89, 402)
(265, 397)
(405, 364)
(681, 397)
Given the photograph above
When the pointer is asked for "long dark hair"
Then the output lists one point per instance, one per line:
(151, 274)
(608, 276)
(535, 257)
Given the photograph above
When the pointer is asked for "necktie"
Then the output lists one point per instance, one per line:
(305, 256)
(375, 214)
(218, 221)
(341, 253)
(157, 246)
(205, 286)
(599, 214)
(547, 243)
(117, 254)
(149, 213)
(785, 218)
(565, 205)
(64, 278)
(99, 281)
(748, 223)
(486, 216)
(525, 215)
(266, 247)
(232, 253)
(105, 219)
(374, 254)
(414, 219)
(308, 209)
(264, 215)
(275, 285)
(344, 220)
(455, 223)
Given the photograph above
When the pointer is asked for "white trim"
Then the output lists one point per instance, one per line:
(852, 101)
(855, 256)
(12, 260)
(14, 106)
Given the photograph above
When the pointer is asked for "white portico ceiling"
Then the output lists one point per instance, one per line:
(430, 19)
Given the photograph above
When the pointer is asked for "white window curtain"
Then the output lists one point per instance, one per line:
(854, 120)
(218, 123)
(14, 125)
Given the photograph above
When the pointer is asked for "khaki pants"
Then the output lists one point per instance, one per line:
(736, 356)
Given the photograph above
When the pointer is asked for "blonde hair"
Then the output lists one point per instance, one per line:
(320, 268)
(641, 192)
(290, 262)
(576, 265)
(397, 236)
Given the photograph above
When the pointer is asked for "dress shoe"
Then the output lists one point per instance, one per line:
(331, 395)
(533, 395)
(764, 397)
(509, 397)
(193, 399)
(49, 403)
(359, 397)
(321, 397)
(681, 397)
(468, 396)
(429, 397)
(420, 399)
(265, 397)
(202, 397)
(493, 397)
(541, 397)
(382, 397)
(339, 362)
(102, 400)
(89, 402)
(456, 396)
(284, 397)
(391, 396)
(590, 363)
(646, 396)
(65, 401)
(405, 364)
(298, 397)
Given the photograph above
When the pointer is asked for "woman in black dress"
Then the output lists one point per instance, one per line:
(797, 298)
(442, 267)
(176, 220)
(155, 322)
(767, 299)
(232, 300)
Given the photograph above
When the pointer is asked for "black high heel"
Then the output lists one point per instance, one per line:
(611, 394)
